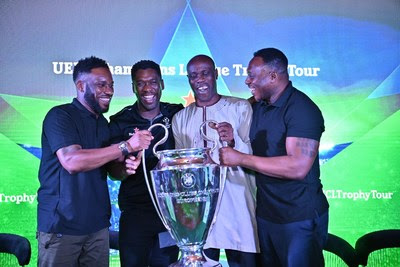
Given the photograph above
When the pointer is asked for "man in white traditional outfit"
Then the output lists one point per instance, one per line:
(235, 228)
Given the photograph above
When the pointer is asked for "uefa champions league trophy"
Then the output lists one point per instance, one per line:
(186, 189)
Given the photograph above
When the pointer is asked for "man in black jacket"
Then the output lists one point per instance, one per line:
(140, 227)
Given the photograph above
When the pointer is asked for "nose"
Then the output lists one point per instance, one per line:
(199, 78)
(109, 89)
(247, 81)
(147, 86)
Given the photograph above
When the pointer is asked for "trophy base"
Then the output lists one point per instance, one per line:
(195, 263)
(192, 256)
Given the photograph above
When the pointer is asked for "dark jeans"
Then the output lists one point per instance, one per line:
(235, 258)
(139, 242)
(297, 244)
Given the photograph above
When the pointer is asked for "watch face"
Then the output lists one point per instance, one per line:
(124, 148)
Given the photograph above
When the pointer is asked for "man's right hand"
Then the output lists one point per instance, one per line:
(230, 157)
(140, 140)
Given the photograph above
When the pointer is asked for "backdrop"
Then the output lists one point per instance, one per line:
(344, 54)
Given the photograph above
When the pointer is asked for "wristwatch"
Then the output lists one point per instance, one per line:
(123, 146)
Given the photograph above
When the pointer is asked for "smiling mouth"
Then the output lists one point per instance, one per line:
(105, 100)
(149, 98)
(202, 89)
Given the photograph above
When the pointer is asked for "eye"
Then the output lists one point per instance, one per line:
(140, 84)
(103, 85)
(100, 85)
(192, 76)
(206, 73)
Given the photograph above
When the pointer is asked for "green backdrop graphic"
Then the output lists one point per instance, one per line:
(357, 86)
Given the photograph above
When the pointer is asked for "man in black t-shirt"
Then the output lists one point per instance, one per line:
(292, 211)
(140, 227)
(73, 200)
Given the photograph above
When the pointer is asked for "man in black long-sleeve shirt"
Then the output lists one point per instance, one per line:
(140, 225)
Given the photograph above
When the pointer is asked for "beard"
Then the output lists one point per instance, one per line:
(92, 102)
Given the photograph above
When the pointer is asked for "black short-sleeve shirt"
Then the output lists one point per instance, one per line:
(133, 192)
(294, 114)
(72, 204)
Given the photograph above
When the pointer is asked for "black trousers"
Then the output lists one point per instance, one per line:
(235, 258)
(138, 240)
(296, 244)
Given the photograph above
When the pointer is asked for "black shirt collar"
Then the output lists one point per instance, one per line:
(83, 109)
(283, 98)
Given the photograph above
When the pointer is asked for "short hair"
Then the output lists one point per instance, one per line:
(201, 57)
(273, 58)
(145, 64)
(86, 65)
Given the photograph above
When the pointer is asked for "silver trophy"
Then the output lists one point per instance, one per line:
(185, 188)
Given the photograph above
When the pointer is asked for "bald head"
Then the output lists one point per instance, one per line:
(200, 58)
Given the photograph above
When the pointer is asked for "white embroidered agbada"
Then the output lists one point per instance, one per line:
(235, 227)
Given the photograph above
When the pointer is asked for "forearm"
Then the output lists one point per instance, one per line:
(301, 154)
(81, 160)
(283, 167)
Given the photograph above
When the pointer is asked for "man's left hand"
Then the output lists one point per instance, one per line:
(225, 132)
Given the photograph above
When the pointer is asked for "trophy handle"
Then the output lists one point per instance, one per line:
(205, 137)
(162, 141)
(223, 168)
(223, 174)
(151, 192)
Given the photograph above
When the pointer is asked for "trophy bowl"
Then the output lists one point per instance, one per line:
(186, 188)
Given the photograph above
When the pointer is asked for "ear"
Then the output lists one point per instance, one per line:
(80, 86)
(216, 73)
(274, 75)
(162, 84)
(134, 89)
